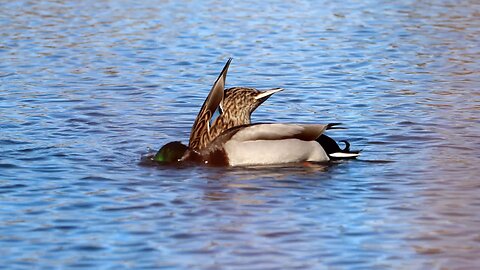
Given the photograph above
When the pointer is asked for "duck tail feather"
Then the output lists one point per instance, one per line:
(334, 126)
(345, 152)
(345, 155)
(347, 146)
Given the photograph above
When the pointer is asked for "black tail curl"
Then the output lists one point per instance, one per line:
(330, 146)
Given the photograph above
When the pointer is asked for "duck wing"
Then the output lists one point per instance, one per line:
(201, 126)
(304, 132)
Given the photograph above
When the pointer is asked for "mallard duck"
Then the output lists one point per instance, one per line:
(232, 140)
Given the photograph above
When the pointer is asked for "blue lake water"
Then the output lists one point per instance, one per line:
(87, 88)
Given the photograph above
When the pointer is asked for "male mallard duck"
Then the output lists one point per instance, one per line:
(232, 140)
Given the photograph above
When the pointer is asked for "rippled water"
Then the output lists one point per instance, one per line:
(86, 88)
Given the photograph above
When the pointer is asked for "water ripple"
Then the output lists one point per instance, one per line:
(87, 88)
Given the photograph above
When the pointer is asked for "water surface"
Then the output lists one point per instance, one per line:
(87, 88)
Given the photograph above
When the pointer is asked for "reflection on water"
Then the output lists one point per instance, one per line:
(86, 88)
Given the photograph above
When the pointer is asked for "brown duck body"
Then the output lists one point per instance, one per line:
(235, 107)
(235, 110)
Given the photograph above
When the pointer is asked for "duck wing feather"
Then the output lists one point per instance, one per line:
(201, 126)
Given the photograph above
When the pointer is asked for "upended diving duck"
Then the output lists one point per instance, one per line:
(232, 140)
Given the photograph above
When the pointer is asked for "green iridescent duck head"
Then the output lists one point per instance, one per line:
(170, 153)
